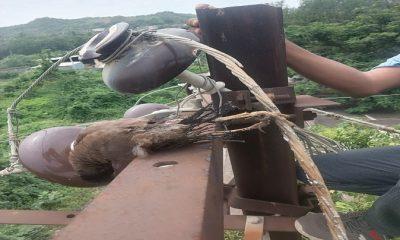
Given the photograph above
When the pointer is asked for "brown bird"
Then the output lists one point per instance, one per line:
(105, 148)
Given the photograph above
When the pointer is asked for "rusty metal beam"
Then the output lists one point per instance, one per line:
(36, 217)
(307, 101)
(171, 195)
(253, 35)
(271, 223)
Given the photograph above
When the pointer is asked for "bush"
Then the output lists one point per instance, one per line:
(14, 232)
(355, 137)
(19, 60)
(7, 75)
(80, 111)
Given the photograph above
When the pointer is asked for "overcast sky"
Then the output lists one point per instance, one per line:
(13, 12)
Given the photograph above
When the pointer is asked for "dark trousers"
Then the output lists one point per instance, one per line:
(373, 171)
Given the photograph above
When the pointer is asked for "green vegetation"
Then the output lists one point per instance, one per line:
(18, 60)
(356, 137)
(233, 235)
(63, 34)
(361, 33)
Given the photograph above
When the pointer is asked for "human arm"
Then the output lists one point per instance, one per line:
(339, 76)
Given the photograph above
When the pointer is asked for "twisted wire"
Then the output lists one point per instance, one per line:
(12, 115)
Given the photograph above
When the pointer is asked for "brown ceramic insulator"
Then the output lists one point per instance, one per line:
(45, 154)
(144, 109)
(149, 64)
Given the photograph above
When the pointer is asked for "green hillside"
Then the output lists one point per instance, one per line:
(65, 34)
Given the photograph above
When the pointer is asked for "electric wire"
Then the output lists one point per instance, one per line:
(12, 117)
(153, 92)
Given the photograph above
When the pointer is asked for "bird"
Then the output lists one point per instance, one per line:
(102, 150)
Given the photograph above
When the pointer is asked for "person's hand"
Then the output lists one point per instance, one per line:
(193, 23)
(194, 26)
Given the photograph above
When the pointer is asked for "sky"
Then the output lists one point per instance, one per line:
(13, 12)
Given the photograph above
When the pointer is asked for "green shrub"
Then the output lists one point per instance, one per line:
(354, 137)
(25, 232)
(80, 111)
(7, 75)
(19, 60)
